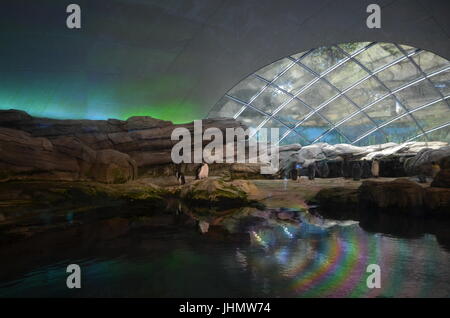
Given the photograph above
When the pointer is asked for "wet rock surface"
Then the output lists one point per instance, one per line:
(219, 192)
(399, 196)
(400, 193)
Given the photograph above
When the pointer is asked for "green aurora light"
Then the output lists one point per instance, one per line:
(72, 96)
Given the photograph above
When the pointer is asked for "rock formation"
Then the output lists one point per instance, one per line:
(218, 192)
(392, 155)
(109, 151)
(400, 193)
(442, 180)
(400, 196)
(116, 151)
(421, 162)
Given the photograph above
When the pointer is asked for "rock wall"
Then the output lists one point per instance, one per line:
(421, 162)
(394, 158)
(400, 196)
(64, 158)
(109, 151)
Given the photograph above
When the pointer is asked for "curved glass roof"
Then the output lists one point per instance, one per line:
(357, 93)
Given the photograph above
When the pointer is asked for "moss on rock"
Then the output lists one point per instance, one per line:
(220, 192)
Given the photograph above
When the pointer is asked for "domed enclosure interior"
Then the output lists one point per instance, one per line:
(356, 93)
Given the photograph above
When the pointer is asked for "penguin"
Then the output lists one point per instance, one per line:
(340, 169)
(202, 172)
(299, 168)
(356, 171)
(365, 167)
(294, 171)
(375, 168)
(180, 178)
(324, 169)
(203, 227)
(312, 171)
(346, 169)
(197, 171)
(180, 175)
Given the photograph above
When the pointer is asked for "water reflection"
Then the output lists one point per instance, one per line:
(246, 252)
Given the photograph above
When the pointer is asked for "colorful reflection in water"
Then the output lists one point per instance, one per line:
(312, 258)
(330, 260)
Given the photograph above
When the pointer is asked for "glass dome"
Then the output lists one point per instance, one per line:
(356, 93)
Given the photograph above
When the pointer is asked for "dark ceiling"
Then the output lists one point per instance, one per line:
(174, 59)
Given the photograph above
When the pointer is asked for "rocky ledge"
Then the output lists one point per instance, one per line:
(400, 196)
(19, 198)
(218, 192)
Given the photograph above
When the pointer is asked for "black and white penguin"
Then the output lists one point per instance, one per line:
(356, 171)
(366, 169)
(375, 169)
(312, 171)
(340, 169)
(346, 168)
(299, 169)
(202, 172)
(180, 175)
(180, 178)
(294, 173)
(324, 169)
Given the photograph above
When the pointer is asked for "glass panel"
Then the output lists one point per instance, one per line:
(430, 62)
(408, 49)
(402, 129)
(346, 75)
(433, 116)
(317, 94)
(375, 138)
(350, 48)
(294, 138)
(225, 107)
(251, 117)
(379, 55)
(334, 137)
(246, 89)
(442, 134)
(442, 82)
(417, 95)
(323, 58)
(298, 56)
(271, 71)
(293, 112)
(356, 126)
(313, 127)
(273, 123)
(294, 79)
(367, 92)
(338, 109)
(385, 110)
(399, 74)
(270, 99)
